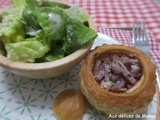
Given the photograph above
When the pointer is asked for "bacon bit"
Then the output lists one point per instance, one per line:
(117, 72)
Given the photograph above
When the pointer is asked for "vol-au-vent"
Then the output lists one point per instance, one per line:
(118, 79)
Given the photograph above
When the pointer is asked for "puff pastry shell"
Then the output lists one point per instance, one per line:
(135, 100)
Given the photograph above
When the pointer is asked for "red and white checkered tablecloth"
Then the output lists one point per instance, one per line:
(121, 13)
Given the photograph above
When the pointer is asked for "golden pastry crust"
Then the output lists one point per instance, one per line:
(135, 100)
(70, 104)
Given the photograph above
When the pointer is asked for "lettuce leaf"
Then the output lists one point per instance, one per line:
(29, 18)
(26, 51)
(54, 54)
(52, 21)
(11, 27)
(77, 36)
(77, 13)
(46, 3)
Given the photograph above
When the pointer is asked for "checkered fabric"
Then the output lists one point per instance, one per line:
(4, 3)
(121, 13)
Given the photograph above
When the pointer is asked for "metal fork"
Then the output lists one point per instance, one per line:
(140, 41)
(139, 36)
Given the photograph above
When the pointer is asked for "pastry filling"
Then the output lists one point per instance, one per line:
(117, 72)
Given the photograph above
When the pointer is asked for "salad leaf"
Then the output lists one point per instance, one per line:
(54, 54)
(29, 18)
(52, 21)
(19, 4)
(11, 27)
(77, 13)
(41, 37)
(26, 51)
(77, 35)
(51, 4)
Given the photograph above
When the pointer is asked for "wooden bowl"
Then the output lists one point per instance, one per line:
(46, 69)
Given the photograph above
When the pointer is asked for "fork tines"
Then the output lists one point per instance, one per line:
(139, 33)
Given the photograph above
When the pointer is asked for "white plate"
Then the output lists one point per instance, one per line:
(31, 99)
(101, 39)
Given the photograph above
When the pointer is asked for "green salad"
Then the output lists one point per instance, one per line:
(43, 31)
